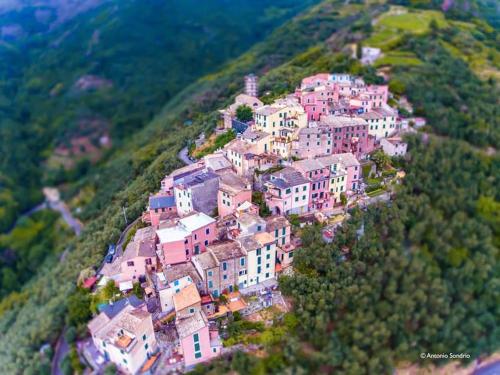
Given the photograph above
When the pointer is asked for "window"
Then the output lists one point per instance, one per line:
(259, 260)
(144, 337)
(207, 231)
(130, 264)
(210, 284)
(268, 247)
(209, 273)
(146, 346)
(283, 241)
(197, 355)
(290, 255)
(283, 231)
(258, 251)
(214, 350)
(288, 191)
(195, 236)
(259, 228)
(149, 261)
(191, 310)
(176, 282)
(267, 274)
(224, 277)
(124, 360)
(296, 199)
(276, 233)
(196, 337)
(242, 261)
(224, 266)
(206, 242)
(258, 269)
(268, 256)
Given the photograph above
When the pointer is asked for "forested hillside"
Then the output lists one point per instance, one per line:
(73, 94)
(133, 171)
(422, 274)
(105, 73)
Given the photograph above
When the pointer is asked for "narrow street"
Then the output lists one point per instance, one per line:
(54, 202)
(183, 156)
(62, 349)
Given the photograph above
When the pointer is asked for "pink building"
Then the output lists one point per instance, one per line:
(287, 192)
(349, 134)
(138, 258)
(195, 340)
(180, 239)
(233, 192)
(316, 80)
(348, 162)
(317, 100)
(161, 207)
(319, 175)
(197, 343)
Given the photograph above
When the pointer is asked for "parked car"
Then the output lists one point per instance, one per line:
(109, 258)
(111, 249)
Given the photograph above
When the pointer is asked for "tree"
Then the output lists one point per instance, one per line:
(343, 199)
(359, 50)
(244, 113)
(137, 290)
(79, 307)
(381, 159)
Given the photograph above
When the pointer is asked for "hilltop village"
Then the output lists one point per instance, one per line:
(219, 233)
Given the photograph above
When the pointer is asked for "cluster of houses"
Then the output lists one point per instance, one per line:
(204, 234)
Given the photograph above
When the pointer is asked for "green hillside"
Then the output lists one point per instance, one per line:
(102, 75)
(106, 72)
(423, 276)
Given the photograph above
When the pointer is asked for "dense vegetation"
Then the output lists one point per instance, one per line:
(126, 179)
(134, 58)
(421, 272)
(359, 315)
(107, 72)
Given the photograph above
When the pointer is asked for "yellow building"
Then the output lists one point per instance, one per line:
(284, 113)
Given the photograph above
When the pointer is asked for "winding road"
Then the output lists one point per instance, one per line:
(183, 156)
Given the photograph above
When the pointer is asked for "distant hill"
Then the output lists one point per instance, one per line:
(64, 62)
(147, 87)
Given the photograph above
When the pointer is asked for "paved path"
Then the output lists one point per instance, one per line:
(490, 369)
(62, 349)
(53, 201)
(183, 156)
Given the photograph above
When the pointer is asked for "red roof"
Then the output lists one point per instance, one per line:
(89, 283)
(206, 299)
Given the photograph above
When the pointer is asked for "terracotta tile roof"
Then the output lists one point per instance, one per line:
(186, 297)
(264, 238)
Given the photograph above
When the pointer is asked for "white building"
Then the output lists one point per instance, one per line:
(284, 113)
(394, 146)
(381, 121)
(126, 339)
(172, 280)
(261, 257)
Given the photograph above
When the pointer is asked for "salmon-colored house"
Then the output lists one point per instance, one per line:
(233, 192)
(180, 239)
